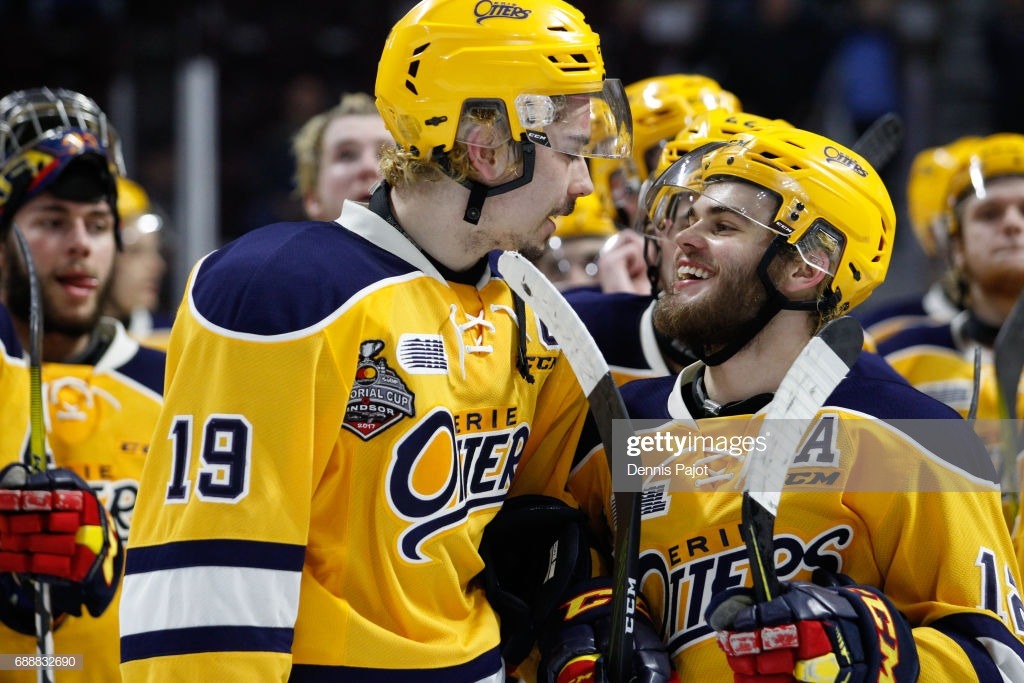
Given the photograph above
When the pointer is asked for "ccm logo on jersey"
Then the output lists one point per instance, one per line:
(379, 397)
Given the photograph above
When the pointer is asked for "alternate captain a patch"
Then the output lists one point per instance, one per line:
(379, 397)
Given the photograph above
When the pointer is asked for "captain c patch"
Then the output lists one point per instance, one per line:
(379, 397)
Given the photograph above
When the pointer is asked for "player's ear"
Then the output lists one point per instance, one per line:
(799, 276)
(311, 204)
(489, 163)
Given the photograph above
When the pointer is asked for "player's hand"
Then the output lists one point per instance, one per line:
(830, 630)
(574, 643)
(622, 265)
(53, 528)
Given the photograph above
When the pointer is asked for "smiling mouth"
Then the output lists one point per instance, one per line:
(692, 273)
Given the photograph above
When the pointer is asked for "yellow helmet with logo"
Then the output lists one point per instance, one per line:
(829, 202)
(927, 191)
(533, 63)
(991, 157)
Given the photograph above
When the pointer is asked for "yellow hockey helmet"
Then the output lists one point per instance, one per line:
(992, 157)
(138, 216)
(828, 202)
(663, 105)
(927, 196)
(533, 63)
(712, 126)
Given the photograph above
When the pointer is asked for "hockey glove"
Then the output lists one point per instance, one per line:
(829, 630)
(53, 528)
(574, 642)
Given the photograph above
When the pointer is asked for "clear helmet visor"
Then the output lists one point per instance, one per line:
(594, 124)
(690, 192)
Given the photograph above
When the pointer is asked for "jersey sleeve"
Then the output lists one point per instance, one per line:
(218, 539)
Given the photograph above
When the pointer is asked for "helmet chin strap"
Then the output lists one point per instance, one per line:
(775, 302)
(478, 192)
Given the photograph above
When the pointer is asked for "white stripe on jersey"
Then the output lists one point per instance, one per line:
(188, 597)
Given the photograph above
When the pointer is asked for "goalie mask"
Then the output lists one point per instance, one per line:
(45, 132)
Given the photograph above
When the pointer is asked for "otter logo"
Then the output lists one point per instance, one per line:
(379, 397)
(467, 472)
(833, 155)
(485, 9)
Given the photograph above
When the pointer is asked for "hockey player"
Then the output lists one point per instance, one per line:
(620, 322)
(336, 156)
(102, 392)
(139, 269)
(927, 210)
(985, 222)
(775, 233)
(349, 403)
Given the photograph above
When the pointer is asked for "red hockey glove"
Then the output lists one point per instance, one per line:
(575, 640)
(52, 527)
(815, 633)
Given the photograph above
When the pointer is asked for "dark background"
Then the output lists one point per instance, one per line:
(949, 67)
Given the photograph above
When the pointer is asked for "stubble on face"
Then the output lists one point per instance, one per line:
(716, 318)
(55, 320)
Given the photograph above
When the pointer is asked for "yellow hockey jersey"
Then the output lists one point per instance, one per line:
(862, 497)
(938, 359)
(340, 423)
(99, 421)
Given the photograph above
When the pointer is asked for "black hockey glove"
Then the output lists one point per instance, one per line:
(574, 642)
(829, 630)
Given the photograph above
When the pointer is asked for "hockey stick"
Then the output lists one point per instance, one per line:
(606, 405)
(1008, 354)
(37, 441)
(881, 141)
(813, 376)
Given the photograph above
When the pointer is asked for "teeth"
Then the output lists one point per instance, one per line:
(690, 272)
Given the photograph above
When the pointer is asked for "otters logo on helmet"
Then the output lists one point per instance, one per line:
(379, 397)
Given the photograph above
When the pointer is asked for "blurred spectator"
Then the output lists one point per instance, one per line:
(337, 154)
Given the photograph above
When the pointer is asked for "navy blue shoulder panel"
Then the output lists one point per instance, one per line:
(147, 368)
(875, 389)
(647, 398)
(288, 276)
(613, 321)
(8, 336)
(892, 309)
(940, 334)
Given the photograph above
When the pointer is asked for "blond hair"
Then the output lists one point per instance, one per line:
(307, 142)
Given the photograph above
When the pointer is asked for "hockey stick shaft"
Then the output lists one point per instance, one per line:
(37, 440)
(606, 406)
(1008, 358)
(881, 141)
(810, 380)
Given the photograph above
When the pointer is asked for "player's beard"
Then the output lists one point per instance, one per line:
(711, 322)
(1001, 279)
(19, 303)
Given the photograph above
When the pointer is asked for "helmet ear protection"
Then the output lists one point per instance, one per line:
(45, 132)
